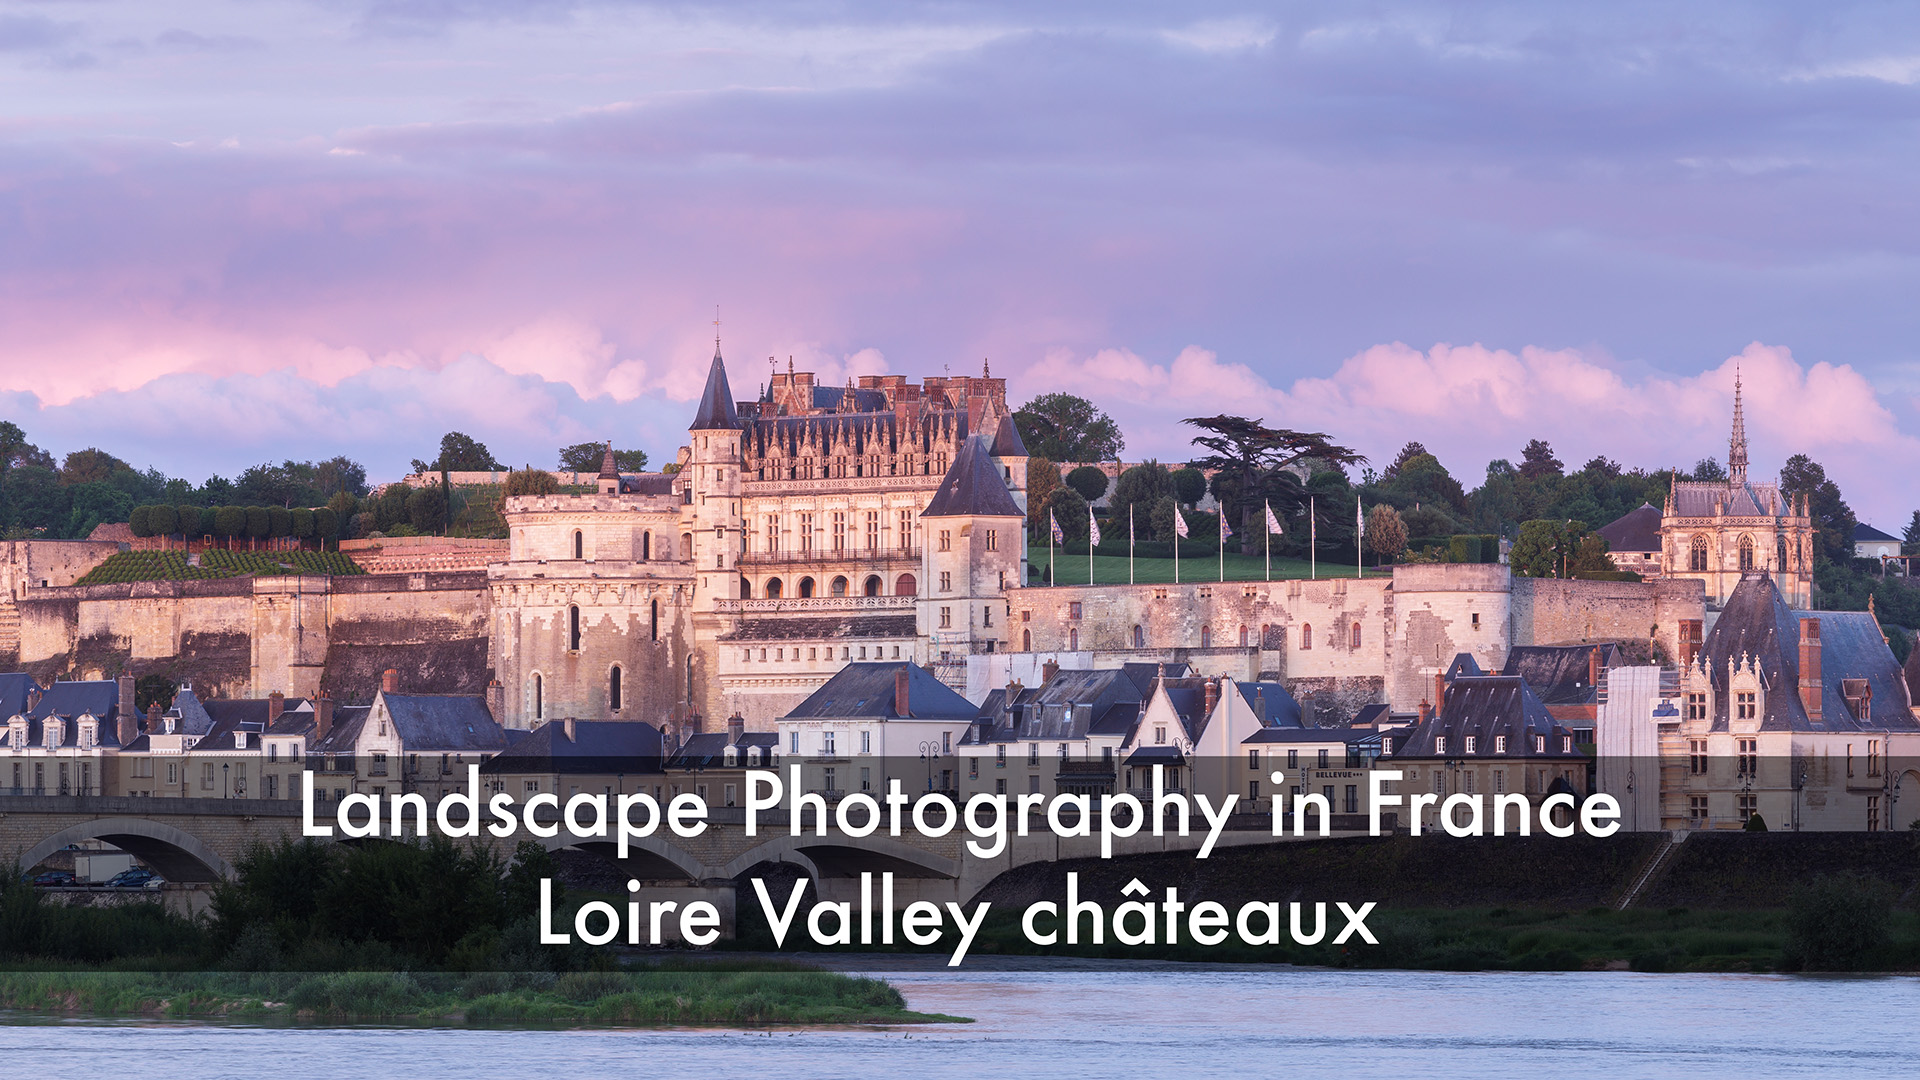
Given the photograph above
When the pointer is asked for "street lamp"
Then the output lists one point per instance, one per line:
(930, 753)
(224, 766)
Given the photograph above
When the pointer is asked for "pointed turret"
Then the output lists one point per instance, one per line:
(1737, 445)
(716, 411)
(609, 468)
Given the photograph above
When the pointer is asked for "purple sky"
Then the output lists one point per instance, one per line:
(236, 231)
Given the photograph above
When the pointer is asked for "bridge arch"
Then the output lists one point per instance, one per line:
(838, 857)
(648, 857)
(176, 855)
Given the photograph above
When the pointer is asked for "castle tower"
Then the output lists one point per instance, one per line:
(714, 488)
(976, 551)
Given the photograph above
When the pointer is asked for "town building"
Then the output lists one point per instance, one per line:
(566, 757)
(874, 723)
(1871, 543)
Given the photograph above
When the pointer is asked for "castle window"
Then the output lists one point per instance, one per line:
(746, 589)
(539, 702)
(1306, 636)
(946, 540)
(613, 689)
(806, 533)
(1026, 641)
(873, 531)
(993, 540)
(573, 628)
(686, 546)
(946, 618)
(839, 586)
(1243, 637)
(806, 587)
(1697, 757)
(1073, 639)
(1697, 557)
(986, 616)
(905, 585)
(773, 533)
(946, 581)
(773, 588)
(646, 546)
(839, 532)
(1354, 636)
(1206, 637)
(1749, 757)
(1746, 553)
(872, 586)
(1697, 710)
(1745, 705)
(579, 544)
(653, 627)
(906, 530)
(1139, 636)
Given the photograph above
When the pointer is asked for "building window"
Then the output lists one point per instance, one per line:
(873, 529)
(1697, 757)
(1293, 759)
(1139, 637)
(613, 689)
(872, 586)
(1744, 705)
(1697, 810)
(573, 628)
(826, 745)
(1749, 757)
(1746, 553)
(1306, 636)
(839, 586)
(1873, 757)
(1873, 813)
(1472, 740)
(1352, 801)
(1697, 555)
(905, 539)
(1499, 744)
(1748, 805)
(1253, 759)
(1353, 636)
(539, 705)
(946, 581)
(993, 540)
(1026, 641)
(1073, 639)
(946, 540)
(906, 585)
(1321, 763)
(1033, 753)
(1566, 744)
(1206, 637)
(839, 531)
(773, 532)
(806, 532)
(946, 618)
(1696, 706)
(866, 742)
(1499, 781)
(986, 615)
(1440, 744)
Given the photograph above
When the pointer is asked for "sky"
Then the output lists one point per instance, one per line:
(233, 232)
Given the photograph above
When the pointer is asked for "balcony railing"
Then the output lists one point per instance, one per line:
(797, 604)
(845, 555)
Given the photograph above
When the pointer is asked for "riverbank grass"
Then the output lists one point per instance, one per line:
(692, 995)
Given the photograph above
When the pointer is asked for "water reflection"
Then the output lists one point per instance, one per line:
(1075, 1024)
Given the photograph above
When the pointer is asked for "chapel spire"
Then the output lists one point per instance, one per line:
(1737, 446)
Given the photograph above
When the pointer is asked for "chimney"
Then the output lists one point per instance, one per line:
(736, 729)
(900, 703)
(153, 715)
(276, 704)
(1213, 696)
(1593, 668)
(322, 717)
(127, 725)
(1439, 689)
(496, 699)
(1426, 711)
(126, 695)
(1052, 667)
(390, 681)
(568, 725)
(1811, 686)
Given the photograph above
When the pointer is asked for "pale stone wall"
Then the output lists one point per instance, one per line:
(39, 563)
(1548, 611)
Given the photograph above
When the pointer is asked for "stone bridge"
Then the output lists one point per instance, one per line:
(196, 842)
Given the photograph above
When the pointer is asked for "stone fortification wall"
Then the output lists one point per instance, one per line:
(1548, 611)
(246, 637)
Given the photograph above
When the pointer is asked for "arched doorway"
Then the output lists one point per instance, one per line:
(773, 588)
(746, 588)
(872, 586)
(905, 585)
(839, 586)
(806, 587)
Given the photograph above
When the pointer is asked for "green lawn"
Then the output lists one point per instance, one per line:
(1112, 569)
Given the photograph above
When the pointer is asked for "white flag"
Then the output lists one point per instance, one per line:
(1359, 522)
(1179, 523)
(1273, 523)
(1093, 529)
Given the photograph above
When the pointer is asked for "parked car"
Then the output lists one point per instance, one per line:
(51, 879)
(136, 878)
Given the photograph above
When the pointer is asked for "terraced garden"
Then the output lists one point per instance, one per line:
(173, 565)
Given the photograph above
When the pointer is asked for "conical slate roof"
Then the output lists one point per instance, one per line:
(716, 401)
(973, 487)
(609, 469)
(1006, 441)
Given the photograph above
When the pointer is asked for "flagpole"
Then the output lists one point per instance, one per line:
(1313, 542)
(1264, 524)
(1091, 526)
(1129, 543)
(1223, 543)
(1176, 548)
(1359, 534)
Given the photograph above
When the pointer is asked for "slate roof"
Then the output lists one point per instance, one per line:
(1488, 706)
(609, 468)
(441, 722)
(1757, 623)
(647, 483)
(1143, 674)
(345, 733)
(1006, 439)
(1865, 532)
(1271, 703)
(1913, 673)
(973, 487)
(1636, 530)
(189, 713)
(1697, 498)
(716, 410)
(101, 697)
(15, 687)
(597, 746)
(709, 750)
(249, 710)
(1558, 673)
(1345, 736)
(866, 690)
(821, 628)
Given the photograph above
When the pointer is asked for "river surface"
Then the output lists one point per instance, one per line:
(1164, 1023)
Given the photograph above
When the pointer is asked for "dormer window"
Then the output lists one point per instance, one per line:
(753, 755)
(239, 740)
(732, 755)
(1472, 741)
(1440, 744)
(1499, 744)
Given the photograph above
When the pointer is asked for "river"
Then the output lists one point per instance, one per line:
(1168, 1023)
